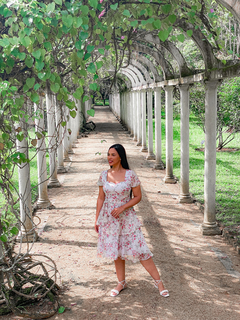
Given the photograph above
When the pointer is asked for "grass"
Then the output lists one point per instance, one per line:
(227, 170)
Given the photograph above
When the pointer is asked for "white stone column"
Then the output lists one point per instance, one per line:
(27, 232)
(139, 119)
(59, 136)
(169, 178)
(52, 145)
(144, 129)
(131, 113)
(135, 115)
(209, 226)
(43, 200)
(159, 165)
(151, 155)
(184, 180)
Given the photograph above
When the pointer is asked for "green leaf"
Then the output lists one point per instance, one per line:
(91, 112)
(84, 9)
(30, 82)
(61, 309)
(37, 86)
(126, 13)
(93, 3)
(77, 22)
(83, 35)
(133, 23)
(163, 35)
(73, 113)
(172, 18)
(78, 93)
(63, 123)
(48, 45)
(166, 8)
(39, 65)
(4, 42)
(93, 86)
(58, 2)
(26, 41)
(35, 97)
(91, 68)
(101, 51)
(181, 37)
(114, 6)
(189, 33)
(55, 87)
(87, 55)
(90, 48)
(3, 238)
(14, 230)
(157, 24)
(29, 61)
(20, 137)
(99, 64)
(67, 20)
(85, 98)
(50, 7)
(41, 75)
(37, 54)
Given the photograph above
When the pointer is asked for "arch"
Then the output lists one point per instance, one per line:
(149, 64)
(143, 70)
(138, 73)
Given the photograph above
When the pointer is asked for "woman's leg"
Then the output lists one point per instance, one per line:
(149, 265)
(120, 271)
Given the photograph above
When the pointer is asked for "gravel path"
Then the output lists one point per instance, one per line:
(201, 273)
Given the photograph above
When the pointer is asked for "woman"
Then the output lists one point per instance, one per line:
(120, 237)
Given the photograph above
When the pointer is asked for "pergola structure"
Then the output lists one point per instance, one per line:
(143, 78)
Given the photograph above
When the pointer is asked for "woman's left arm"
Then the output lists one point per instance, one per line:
(137, 196)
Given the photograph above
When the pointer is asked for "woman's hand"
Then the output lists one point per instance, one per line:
(96, 227)
(117, 211)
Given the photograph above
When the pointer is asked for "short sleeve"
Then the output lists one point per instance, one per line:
(134, 180)
(101, 179)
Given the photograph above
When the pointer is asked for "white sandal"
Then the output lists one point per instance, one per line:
(163, 293)
(115, 292)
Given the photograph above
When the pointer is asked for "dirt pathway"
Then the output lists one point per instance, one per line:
(201, 273)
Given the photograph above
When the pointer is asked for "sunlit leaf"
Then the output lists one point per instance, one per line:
(61, 309)
(91, 112)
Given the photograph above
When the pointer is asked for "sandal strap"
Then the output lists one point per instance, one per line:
(123, 283)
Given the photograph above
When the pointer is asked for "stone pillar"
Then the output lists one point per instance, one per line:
(43, 200)
(139, 119)
(159, 165)
(169, 178)
(184, 180)
(52, 145)
(59, 136)
(144, 129)
(209, 226)
(135, 115)
(26, 233)
(151, 155)
(131, 113)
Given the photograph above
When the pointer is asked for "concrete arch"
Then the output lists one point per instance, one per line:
(138, 73)
(145, 61)
(134, 82)
(133, 75)
(143, 70)
(183, 68)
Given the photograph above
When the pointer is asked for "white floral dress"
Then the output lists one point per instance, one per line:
(120, 237)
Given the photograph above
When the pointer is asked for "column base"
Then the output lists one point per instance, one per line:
(134, 139)
(210, 229)
(159, 166)
(70, 152)
(185, 199)
(67, 159)
(171, 180)
(151, 156)
(74, 146)
(131, 135)
(144, 149)
(43, 204)
(25, 237)
(139, 143)
(61, 169)
(54, 183)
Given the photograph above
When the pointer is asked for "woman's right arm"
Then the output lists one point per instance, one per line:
(100, 200)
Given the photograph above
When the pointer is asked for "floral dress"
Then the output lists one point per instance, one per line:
(120, 237)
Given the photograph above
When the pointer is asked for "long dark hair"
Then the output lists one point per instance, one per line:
(122, 154)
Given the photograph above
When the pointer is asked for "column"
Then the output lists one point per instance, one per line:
(135, 115)
(52, 146)
(169, 178)
(131, 113)
(184, 168)
(43, 200)
(144, 129)
(159, 165)
(209, 226)
(139, 119)
(26, 233)
(151, 155)
(59, 136)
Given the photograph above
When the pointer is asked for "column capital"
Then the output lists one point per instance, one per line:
(157, 89)
(184, 87)
(168, 88)
(213, 84)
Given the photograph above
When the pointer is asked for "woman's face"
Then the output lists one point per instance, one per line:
(113, 157)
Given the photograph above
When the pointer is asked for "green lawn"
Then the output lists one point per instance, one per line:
(227, 170)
